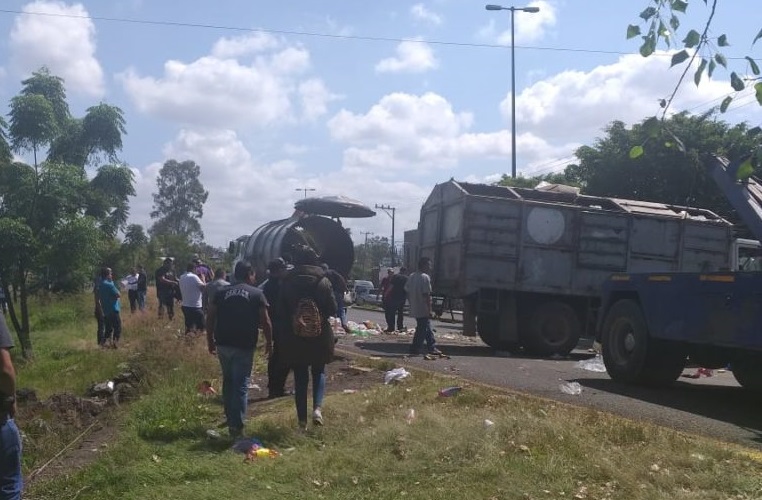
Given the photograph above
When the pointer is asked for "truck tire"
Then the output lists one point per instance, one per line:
(488, 328)
(631, 355)
(551, 328)
(748, 372)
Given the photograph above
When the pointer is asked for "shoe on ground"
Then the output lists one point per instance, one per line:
(317, 417)
(435, 352)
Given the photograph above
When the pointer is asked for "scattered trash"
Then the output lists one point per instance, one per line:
(259, 452)
(244, 445)
(349, 391)
(705, 372)
(104, 388)
(357, 370)
(213, 434)
(156, 458)
(655, 468)
(488, 423)
(410, 416)
(524, 448)
(571, 388)
(205, 388)
(449, 391)
(254, 387)
(395, 375)
(375, 358)
(592, 365)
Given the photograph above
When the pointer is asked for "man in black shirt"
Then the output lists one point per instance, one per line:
(11, 482)
(235, 315)
(394, 301)
(277, 370)
(166, 282)
(142, 288)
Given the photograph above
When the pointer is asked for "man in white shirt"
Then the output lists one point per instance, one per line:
(130, 282)
(418, 288)
(192, 288)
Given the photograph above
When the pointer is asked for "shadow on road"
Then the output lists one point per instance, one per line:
(399, 349)
(732, 405)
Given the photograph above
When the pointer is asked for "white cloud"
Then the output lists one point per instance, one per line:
(64, 41)
(219, 90)
(529, 27)
(315, 98)
(244, 193)
(419, 134)
(421, 13)
(413, 56)
(577, 105)
(235, 47)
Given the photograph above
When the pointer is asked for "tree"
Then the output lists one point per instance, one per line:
(179, 203)
(533, 182)
(368, 257)
(661, 23)
(53, 220)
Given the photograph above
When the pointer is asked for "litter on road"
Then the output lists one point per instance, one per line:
(395, 375)
(571, 388)
(592, 365)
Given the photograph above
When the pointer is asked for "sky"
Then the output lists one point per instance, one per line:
(374, 101)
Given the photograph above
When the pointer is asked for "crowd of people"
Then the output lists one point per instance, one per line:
(291, 308)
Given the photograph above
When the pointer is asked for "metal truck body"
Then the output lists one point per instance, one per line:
(650, 324)
(529, 264)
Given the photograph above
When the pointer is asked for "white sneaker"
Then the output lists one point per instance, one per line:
(317, 417)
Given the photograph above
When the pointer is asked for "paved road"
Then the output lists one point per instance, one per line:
(715, 407)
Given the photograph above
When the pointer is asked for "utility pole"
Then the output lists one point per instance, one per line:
(305, 189)
(390, 211)
(365, 253)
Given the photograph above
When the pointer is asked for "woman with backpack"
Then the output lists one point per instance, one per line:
(307, 301)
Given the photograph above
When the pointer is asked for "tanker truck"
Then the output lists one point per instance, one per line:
(529, 264)
(316, 222)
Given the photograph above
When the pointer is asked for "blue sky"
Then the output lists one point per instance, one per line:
(265, 113)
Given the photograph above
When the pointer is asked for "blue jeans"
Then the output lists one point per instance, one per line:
(301, 381)
(236, 371)
(11, 481)
(423, 333)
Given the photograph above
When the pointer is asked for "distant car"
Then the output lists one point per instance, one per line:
(370, 296)
(356, 288)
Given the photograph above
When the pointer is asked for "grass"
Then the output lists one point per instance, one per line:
(368, 448)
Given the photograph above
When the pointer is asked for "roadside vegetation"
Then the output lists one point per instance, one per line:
(482, 443)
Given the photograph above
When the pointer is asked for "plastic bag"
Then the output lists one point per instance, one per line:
(592, 365)
(571, 388)
(396, 375)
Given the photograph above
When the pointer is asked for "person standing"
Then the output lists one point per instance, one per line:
(277, 370)
(339, 285)
(165, 288)
(217, 284)
(142, 288)
(418, 288)
(11, 480)
(192, 289)
(109, 295)
(394, 307)
(232, 327)
(308, 301)
(131, 285)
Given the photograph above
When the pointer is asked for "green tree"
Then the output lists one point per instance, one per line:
(532, 182)
(368, 257)
(179, 203)
(54, 220)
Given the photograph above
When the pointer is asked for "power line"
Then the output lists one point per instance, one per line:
(273, 31)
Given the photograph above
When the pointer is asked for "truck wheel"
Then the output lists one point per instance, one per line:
(748, 373)
(631, 355)
(488, 327)
(552, 328)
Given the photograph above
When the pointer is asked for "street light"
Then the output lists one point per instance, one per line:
(531, 10)
(305, 189)
(390, 211)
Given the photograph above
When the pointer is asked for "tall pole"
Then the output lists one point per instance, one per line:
(513, 98)
(531, 10)
(365, 251)
(390, 211)
(305, 189)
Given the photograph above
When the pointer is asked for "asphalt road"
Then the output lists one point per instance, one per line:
(716, 407)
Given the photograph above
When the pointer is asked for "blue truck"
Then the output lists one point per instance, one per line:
(651, 324)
